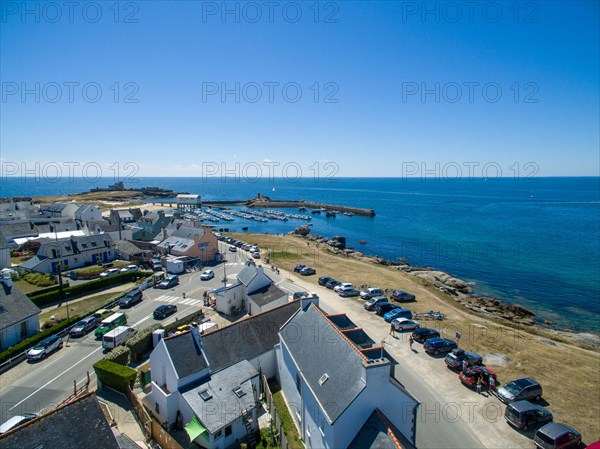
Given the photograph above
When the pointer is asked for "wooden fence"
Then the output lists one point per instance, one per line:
(277, 422)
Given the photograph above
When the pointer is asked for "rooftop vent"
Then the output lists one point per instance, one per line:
(324, 378)
(239, 392)
(205, 395)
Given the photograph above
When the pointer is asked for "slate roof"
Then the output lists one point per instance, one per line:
(267, 295)
(248, 273)
(377, 433)
(11, 230)
(225, 406)
(15, 306)
(324, 350)
(126, 247)
(56, 207)
(79, 424)
(185, 354)
(247, 338)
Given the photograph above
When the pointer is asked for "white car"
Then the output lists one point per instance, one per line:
(110, 272)
(404, 324)
(207, 275)
(16, 421)
(129, 268)
(45, 347)
(371, 292)
(342, 286)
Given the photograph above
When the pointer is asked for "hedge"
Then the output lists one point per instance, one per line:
(87, 287)
(42, 291)
(114, 375)
(39, 279)
(142, 341)
(31, 341)
(119, 355)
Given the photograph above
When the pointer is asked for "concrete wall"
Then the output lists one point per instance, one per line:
(228, 298)
(265, 363)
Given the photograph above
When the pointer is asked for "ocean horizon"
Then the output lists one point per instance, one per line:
(533, 241)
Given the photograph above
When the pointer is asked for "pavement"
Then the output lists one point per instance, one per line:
(121, 412)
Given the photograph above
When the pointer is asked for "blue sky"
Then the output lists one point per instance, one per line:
(362, 69)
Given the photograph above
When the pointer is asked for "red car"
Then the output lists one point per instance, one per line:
(471, 375)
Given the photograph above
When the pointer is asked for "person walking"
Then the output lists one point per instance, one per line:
(392, 330)
(492, 384)
(411, 340)
(479, 384)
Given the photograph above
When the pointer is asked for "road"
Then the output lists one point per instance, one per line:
(35, 387)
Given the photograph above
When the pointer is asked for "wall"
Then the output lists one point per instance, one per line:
(287, 375)
(12, 334)
(266, 363)
(228, 298)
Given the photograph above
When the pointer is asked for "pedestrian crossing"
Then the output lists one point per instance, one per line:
(178, 300)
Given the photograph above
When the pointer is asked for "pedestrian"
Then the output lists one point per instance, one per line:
(392, 330)
(411, 340)
(492, 383)
(465, 365)
(479, 384)
(183, 294)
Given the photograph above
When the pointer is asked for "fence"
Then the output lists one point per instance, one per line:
(277, 422)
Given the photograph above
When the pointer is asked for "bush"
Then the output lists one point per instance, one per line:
(31, 341)
(114, 375)
(54, 288)
(39, 279)
(119, 355)
(142, 341)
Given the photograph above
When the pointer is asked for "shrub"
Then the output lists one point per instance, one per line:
(31, 341)
(114, 375)
(142, 341)
(39, 279)
(119, 355)
(54, 288)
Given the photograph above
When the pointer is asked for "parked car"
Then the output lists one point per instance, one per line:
(371, 303)
(404, 324)
(402, 296)
(341, 286)
(307, 271)
(348, 292)
(233, 249)
(424, 333)
(170, 281)
(438, 345)
(110, 272)
(332, 284)
(131, 298)
(156, 265)
(520, 389)
(472, 374)
(207, 275)
(384, 307)
(129, 268)
(323, 280)
(371, 292)
(454, 359)
(297, 268)
(16, 421)
(397, 312)
(45, 347)
(83, 326)
(256, 255)
(524, 414)
(164, 311)
(557, 436)
(102, 313)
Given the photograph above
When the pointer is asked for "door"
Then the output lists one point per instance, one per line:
(94, 259)
(105, 256)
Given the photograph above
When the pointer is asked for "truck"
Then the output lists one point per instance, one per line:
(175, 266)
(117, 336)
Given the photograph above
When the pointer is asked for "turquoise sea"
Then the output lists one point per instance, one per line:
(533, 241)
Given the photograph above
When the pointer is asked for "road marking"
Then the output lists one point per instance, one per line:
(52, 380)
(142, 320)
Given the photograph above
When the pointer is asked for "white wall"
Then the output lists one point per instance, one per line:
(231, 297)
(267, 363)
(12, 335)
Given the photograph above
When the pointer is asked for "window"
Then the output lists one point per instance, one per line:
(298, 382)
(324, 378)
(239, 392)
(205, 395)
(218, 434)
(228, 431)
(23, 330)
(54, 253)
(156, 407)
(94, 244)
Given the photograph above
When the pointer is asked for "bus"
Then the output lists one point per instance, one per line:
(108, 324)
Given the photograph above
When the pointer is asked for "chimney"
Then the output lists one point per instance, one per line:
(196, 334)
(305, 301)
(164, 231)
(7, 279)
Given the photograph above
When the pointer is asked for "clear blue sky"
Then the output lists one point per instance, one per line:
(377, 57)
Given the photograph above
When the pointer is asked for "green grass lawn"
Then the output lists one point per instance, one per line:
(77, 307)
(26, 287)
(265, 440)
(97, 269)
(289, 428)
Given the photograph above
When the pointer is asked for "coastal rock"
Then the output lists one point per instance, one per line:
(302, 230)
(338, 242)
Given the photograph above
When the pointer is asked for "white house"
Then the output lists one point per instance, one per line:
(88, 212)
(254, 292)
(60, 210)
(19, 317)
(333, 383)
(213, 381)
(72, 252)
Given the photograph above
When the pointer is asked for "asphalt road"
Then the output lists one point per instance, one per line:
(35, 387)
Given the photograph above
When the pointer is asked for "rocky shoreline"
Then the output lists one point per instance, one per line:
(458, 289)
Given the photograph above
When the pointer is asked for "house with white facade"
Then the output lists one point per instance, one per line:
(88, 212)
(19, 317)
(254, 292)
(212, 381)
(339, 387)
(71, 252)
(56, 210)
